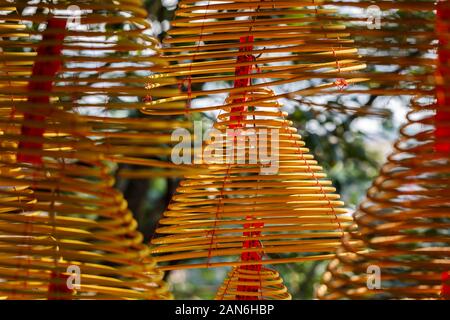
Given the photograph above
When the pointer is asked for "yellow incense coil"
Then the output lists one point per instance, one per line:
(397, 41)
(277, 43)
(64, 212)
(382, 48)
(264, 284)
(60, 218)
(403, 223)
(286, 205)
(106, 59)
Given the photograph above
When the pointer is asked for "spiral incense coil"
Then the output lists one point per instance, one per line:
(250, 45)
(64, 212)
(397, 40)
(242, 284)
(404, 221)
(241, 207)
(105, 59)
(207, 59)
(60, 218)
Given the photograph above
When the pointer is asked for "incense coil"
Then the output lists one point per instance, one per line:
(65, 212)
(292, 209)
(398, 55)
(397, 41)
(106, 58)
(403, 223)
(268, 283)
(280, 43)
(400, 52)
(58, 209)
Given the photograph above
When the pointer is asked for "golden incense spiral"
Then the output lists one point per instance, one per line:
(242, 284)
(267, 201)
(251, 44)
(107, 55)
(65, 232)
(403, 223)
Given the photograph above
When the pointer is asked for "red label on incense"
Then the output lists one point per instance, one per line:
(58, 288)
(251, 256)
(242, 82)
(442, 134)
(442, 117)
(445, 293)
(243, 70)
(47, 69)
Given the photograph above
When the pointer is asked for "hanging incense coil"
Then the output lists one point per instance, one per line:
(244, 208)
(241, 284)
(205, 53)
(106, 58)
(396, 40)
(403, 223)
(64, 212)
(59, 213)
(277, 44)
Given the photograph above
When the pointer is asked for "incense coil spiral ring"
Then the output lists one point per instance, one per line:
(268, 282)
(200, 41)
(58, 209)
(103, 75)
(397, 41)
(399, 52)
(403, 223)
(292, 210)
(281, 43)
(65, 212)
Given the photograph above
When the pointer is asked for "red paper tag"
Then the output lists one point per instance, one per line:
(445, 293)
(247, 244)
(244, 82)
(48, 69)
(58, 289)
(442, 117)
(251, 256)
